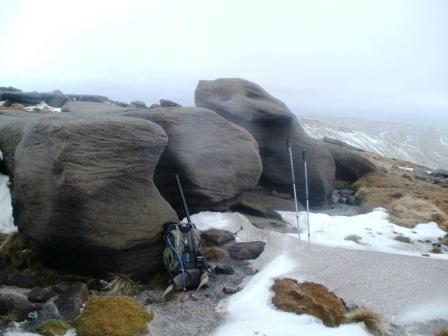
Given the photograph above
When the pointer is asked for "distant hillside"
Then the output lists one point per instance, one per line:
(422, 145)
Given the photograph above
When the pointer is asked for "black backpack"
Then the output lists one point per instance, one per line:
(182, 256)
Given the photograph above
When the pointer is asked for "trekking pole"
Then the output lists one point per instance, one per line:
(184, 202)
(306, 193)
(293, 184)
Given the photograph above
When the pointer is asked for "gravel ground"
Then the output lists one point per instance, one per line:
(183, 315)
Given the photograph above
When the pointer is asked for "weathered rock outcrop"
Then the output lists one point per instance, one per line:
(92, 108)
(85, 197)
(55, 98)
(215, 159)
(271, 124)
(168, 103)
(349, 165)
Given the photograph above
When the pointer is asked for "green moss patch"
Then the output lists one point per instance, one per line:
(112, 316)
(53, 328)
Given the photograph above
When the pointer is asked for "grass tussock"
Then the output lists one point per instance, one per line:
(122, 284)
(409, 201)
(410, 211)
(309, 298)
(442, 332)
(53, 328)
(373, 321)
(112, 316)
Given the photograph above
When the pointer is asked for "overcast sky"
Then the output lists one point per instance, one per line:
(381, 58)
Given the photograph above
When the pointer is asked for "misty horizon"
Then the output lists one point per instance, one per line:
(379, 60)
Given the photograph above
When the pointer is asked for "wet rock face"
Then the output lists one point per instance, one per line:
(271, 124)
(85, 197)
(309, 298)
(349, 166)
(215, 159)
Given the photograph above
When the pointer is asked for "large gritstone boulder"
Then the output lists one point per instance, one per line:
(215, 159)
(349, 165)
(12, 127)
(85, 197)
(271, 124)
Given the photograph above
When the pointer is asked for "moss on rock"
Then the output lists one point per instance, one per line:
(53, 328)
(112, 316)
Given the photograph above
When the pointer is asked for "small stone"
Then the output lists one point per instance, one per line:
(246, 250)
(40, 295)
(403, 239)
(231, 290)
(224, 269)
(217, 237)
(71, 300)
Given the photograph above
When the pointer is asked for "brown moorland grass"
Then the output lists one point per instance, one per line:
(386, 189)
(442, 332)
(309, 298)
(373, 321)
(112, 316)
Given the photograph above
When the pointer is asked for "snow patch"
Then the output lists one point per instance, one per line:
(250, 311)
(6, 219)
(42, 106)
(375, 233)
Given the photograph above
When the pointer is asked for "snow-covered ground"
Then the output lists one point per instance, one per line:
(422, 145)
(251, 312)
(402, 288)
(371, 231)
(6, 219)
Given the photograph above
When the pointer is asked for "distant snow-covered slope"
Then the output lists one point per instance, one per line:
(422, 145)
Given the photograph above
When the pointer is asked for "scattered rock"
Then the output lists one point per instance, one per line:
(309, 298)
(113, 316)
(354, 238)
(213, 237)
(168, 103)
(436, 248)
(403, 239)
(88, 98)
(230, 290)
(153, 106)
(84, 194)
(271, 123)
(224, 269)
(440, 173)
(53, 328)
(18, 280)
(138, 104)
(214, 253)
(71, 300)
(15, 305)
(246, 250)
(40, 295)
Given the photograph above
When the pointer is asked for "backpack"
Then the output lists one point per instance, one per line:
(183, 258)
